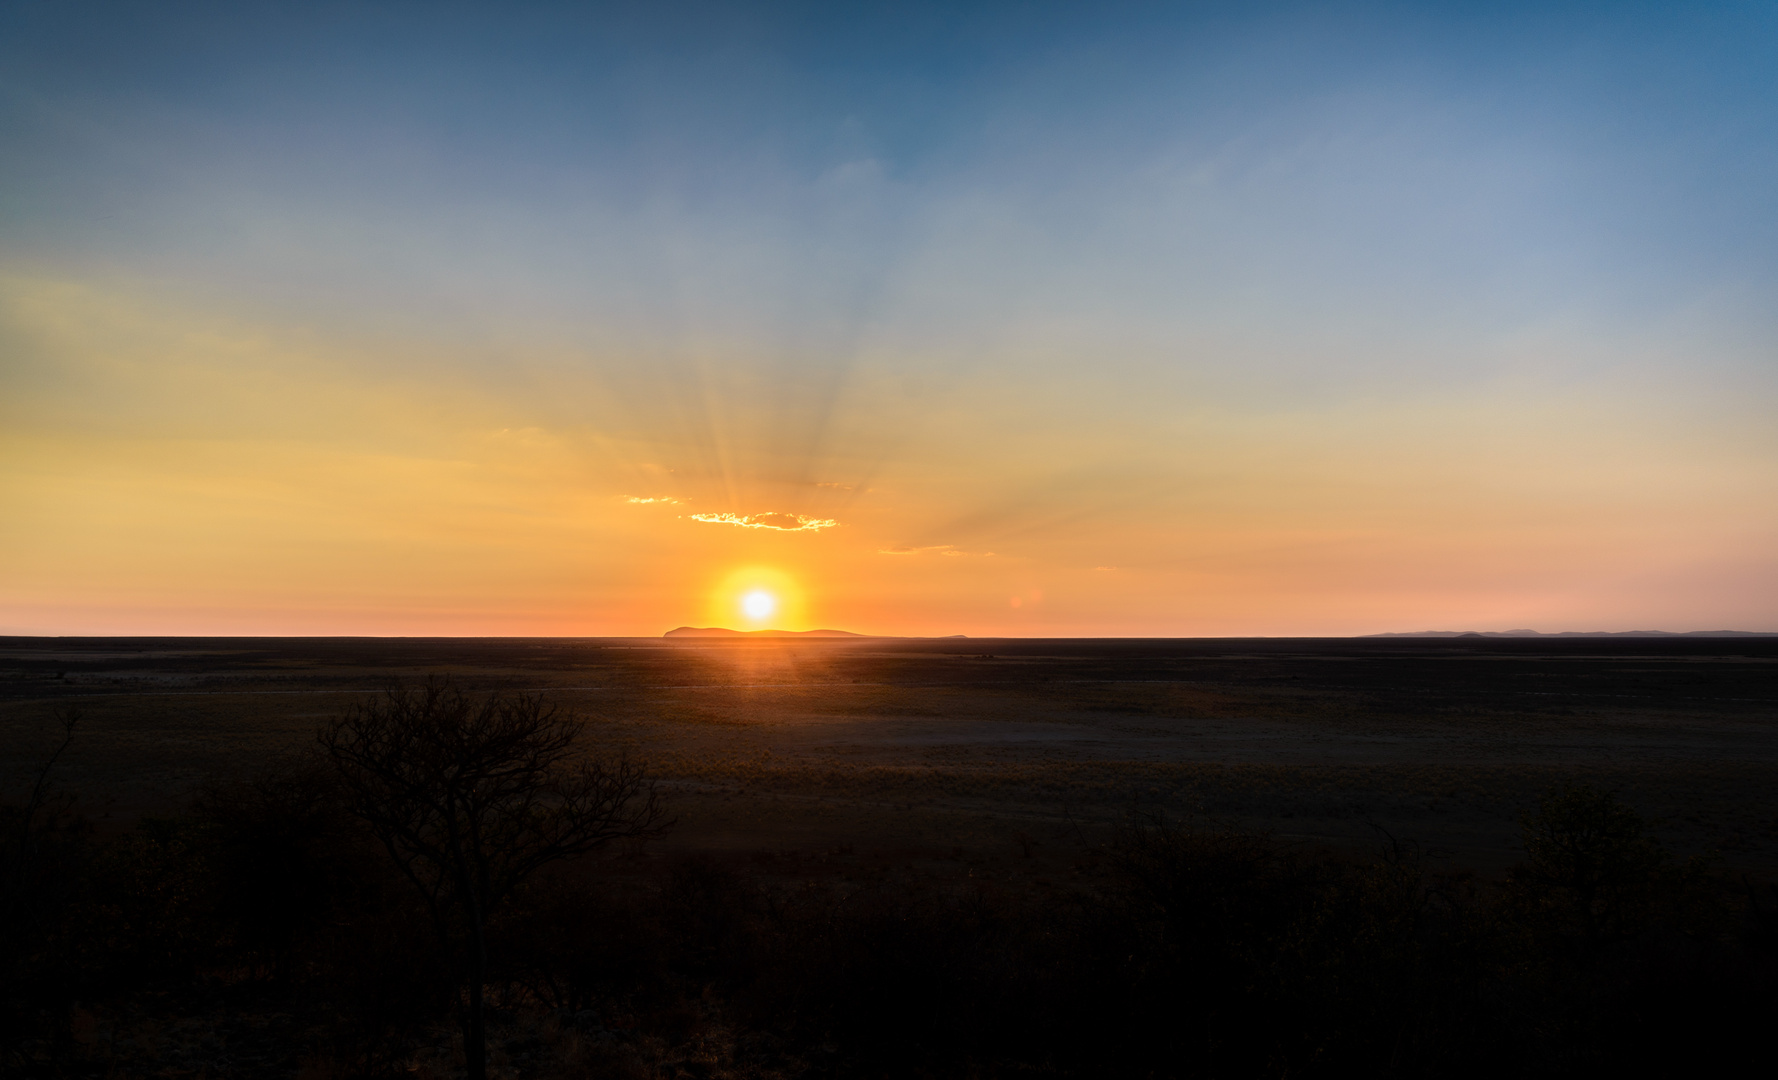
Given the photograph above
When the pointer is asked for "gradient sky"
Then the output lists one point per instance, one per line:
(1023, 318)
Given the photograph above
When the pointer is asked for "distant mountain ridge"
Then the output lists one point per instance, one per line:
(1578, 633)
(723, 631)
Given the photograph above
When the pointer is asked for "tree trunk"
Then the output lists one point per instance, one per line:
(475, 1037)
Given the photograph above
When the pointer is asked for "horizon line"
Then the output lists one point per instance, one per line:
(844, 635)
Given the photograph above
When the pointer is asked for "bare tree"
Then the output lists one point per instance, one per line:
(41, 796)
(1591, 859)
(470, 795)
(25, 832)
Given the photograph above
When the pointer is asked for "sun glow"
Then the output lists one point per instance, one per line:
(757, 598)
(759, 604)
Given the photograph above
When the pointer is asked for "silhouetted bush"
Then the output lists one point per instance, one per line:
(304, 904)
(1591, 870)
(1637, 960)
(286, 861)
(572, 944)
(46, 864)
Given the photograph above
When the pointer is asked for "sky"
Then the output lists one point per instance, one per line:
(996, 319)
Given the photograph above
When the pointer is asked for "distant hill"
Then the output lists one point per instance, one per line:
(720, 631)
(1578, 633)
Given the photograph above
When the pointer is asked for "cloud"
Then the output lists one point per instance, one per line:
(936, 549)
(768, 520)
(640, 501)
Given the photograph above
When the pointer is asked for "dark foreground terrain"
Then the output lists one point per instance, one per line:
(923, 857)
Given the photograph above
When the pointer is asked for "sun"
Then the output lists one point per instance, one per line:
(758, 598)
(759, 604)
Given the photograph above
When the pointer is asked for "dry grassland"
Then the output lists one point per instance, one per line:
(1008, 749)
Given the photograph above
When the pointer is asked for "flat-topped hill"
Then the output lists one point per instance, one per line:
(722, 631)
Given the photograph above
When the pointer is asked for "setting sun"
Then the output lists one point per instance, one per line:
(757, 598)
(758, 605)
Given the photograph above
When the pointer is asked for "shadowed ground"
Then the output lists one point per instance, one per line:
(1016, 748)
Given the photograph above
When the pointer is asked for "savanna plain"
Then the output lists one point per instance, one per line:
(932, 857)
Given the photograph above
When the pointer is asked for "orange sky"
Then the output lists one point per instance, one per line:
(174, 470)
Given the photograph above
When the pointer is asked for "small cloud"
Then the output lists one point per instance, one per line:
(768, 520)
(530, 437)
(936, 549)
(1105, 569)
(640, 501)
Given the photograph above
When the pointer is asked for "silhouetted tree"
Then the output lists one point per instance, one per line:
(1591, 857)
(42, 844)
(28, 826)
(471, 795)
